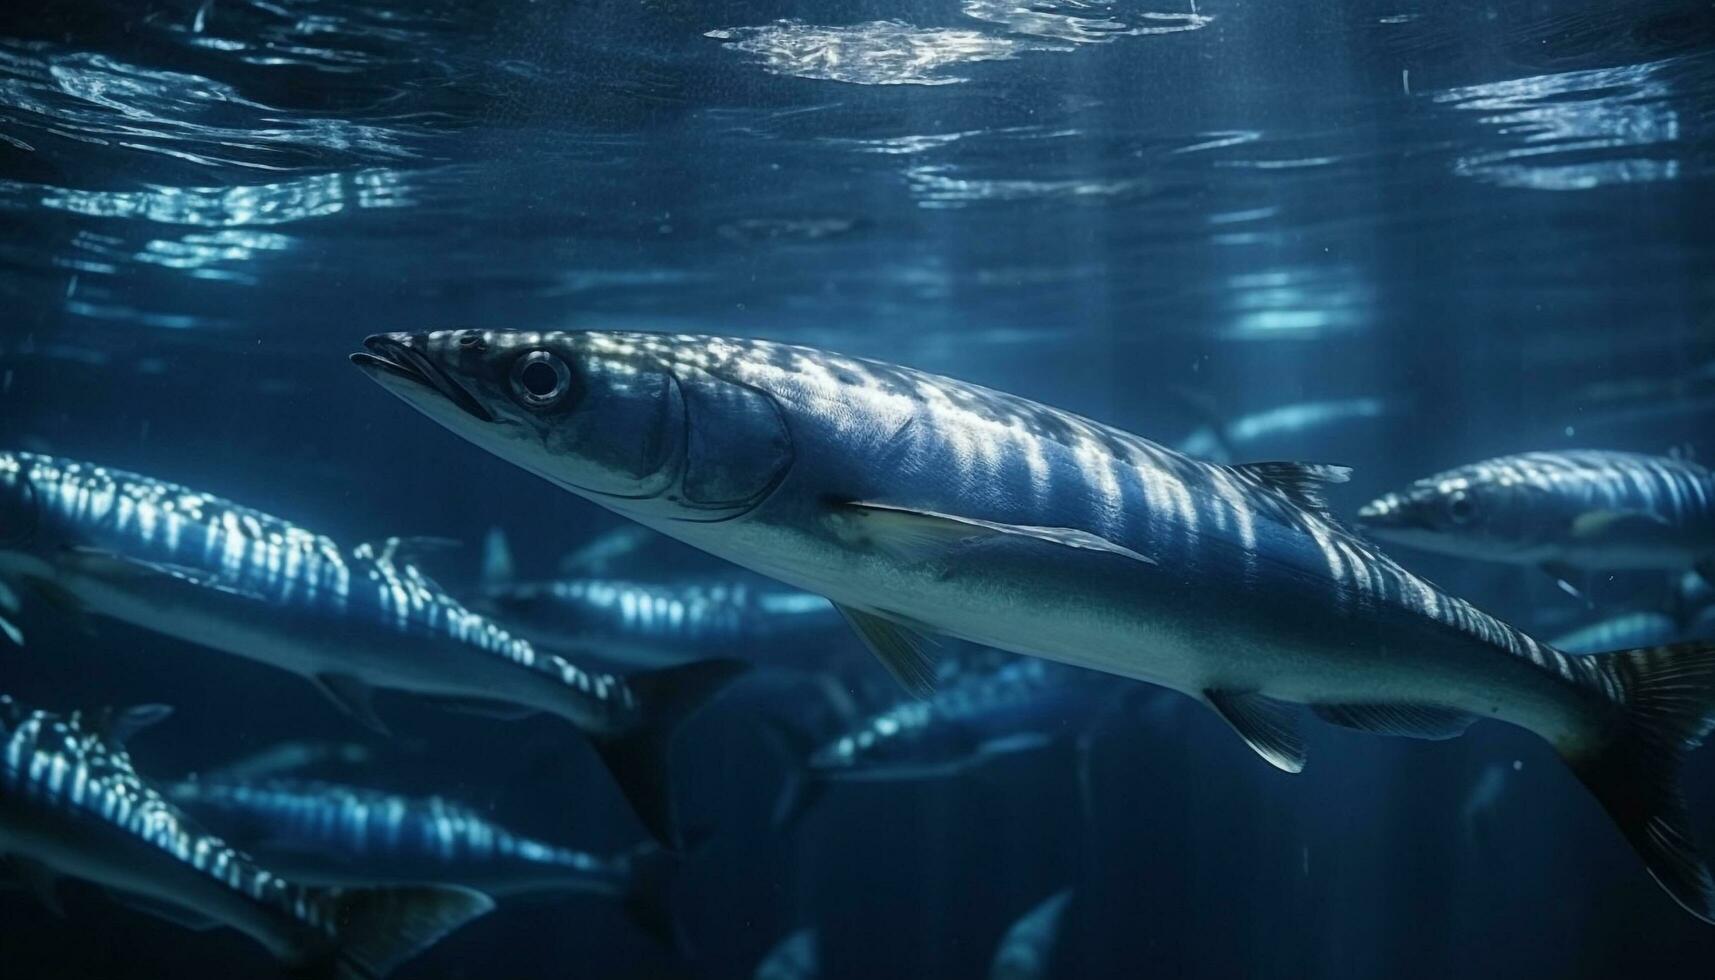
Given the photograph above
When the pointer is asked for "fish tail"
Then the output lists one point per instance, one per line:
(638, 757)
(377, 929)
(799, 789)
(649, 902)
(1632, 766)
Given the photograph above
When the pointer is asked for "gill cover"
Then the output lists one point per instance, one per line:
(737, 446)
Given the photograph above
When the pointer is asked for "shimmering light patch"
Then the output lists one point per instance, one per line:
(1080, 21)
(1574, 130)
(1297, 302)
(880, 52)
(944, 186)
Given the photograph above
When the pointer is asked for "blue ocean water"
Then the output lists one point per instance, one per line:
(1397, 235)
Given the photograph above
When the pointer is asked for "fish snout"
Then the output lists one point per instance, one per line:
(409, 365)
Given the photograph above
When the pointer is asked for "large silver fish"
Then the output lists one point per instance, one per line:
(71, 804)
(88, 539)
(920, 504)
(330, 834)
(1569, 513)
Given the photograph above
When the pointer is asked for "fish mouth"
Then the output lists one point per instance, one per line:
(393, 356)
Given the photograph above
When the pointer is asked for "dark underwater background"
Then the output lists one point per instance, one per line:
(1490, 223)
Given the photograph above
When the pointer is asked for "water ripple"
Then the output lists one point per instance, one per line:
(1080, 21)
(1574, 130)
(97, 99)
(879, 52)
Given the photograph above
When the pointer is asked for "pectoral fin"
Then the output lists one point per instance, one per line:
(354, 698)
(1266, 725)
(920, 535)
(1407, 720)
(900, 649)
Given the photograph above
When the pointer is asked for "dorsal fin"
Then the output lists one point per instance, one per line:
(1302, 483)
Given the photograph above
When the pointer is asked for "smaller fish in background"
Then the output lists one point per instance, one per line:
(1227, 439)
(89, 541)
(295, 756)
(330, 834)
(1633, 629)
(974, 717)
(796, 957)
(1568, 513)
(1027, 950)
(648, 625)
(72, 804)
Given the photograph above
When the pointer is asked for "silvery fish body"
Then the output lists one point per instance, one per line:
(917, 503)
(1584, 510)
(651, 624)
(202, 569)
(71, 804)
(975, 716)
(327, 833)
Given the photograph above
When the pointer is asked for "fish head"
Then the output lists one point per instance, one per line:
(617, 418)
(1466, 513)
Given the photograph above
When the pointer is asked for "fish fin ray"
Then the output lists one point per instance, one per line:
(899, 649)
(1405, 720)
(913, 535)
(379, 928)
(1632, 767)
(1302, 483)
(1266, 725)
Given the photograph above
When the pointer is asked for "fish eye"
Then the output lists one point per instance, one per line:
(1460, 507)
(541, 378)
(472, 340)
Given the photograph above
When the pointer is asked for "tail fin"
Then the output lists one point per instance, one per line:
(638, 758)
(376, 929)
(649, 903)
(1669, 696)
(799, 787)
